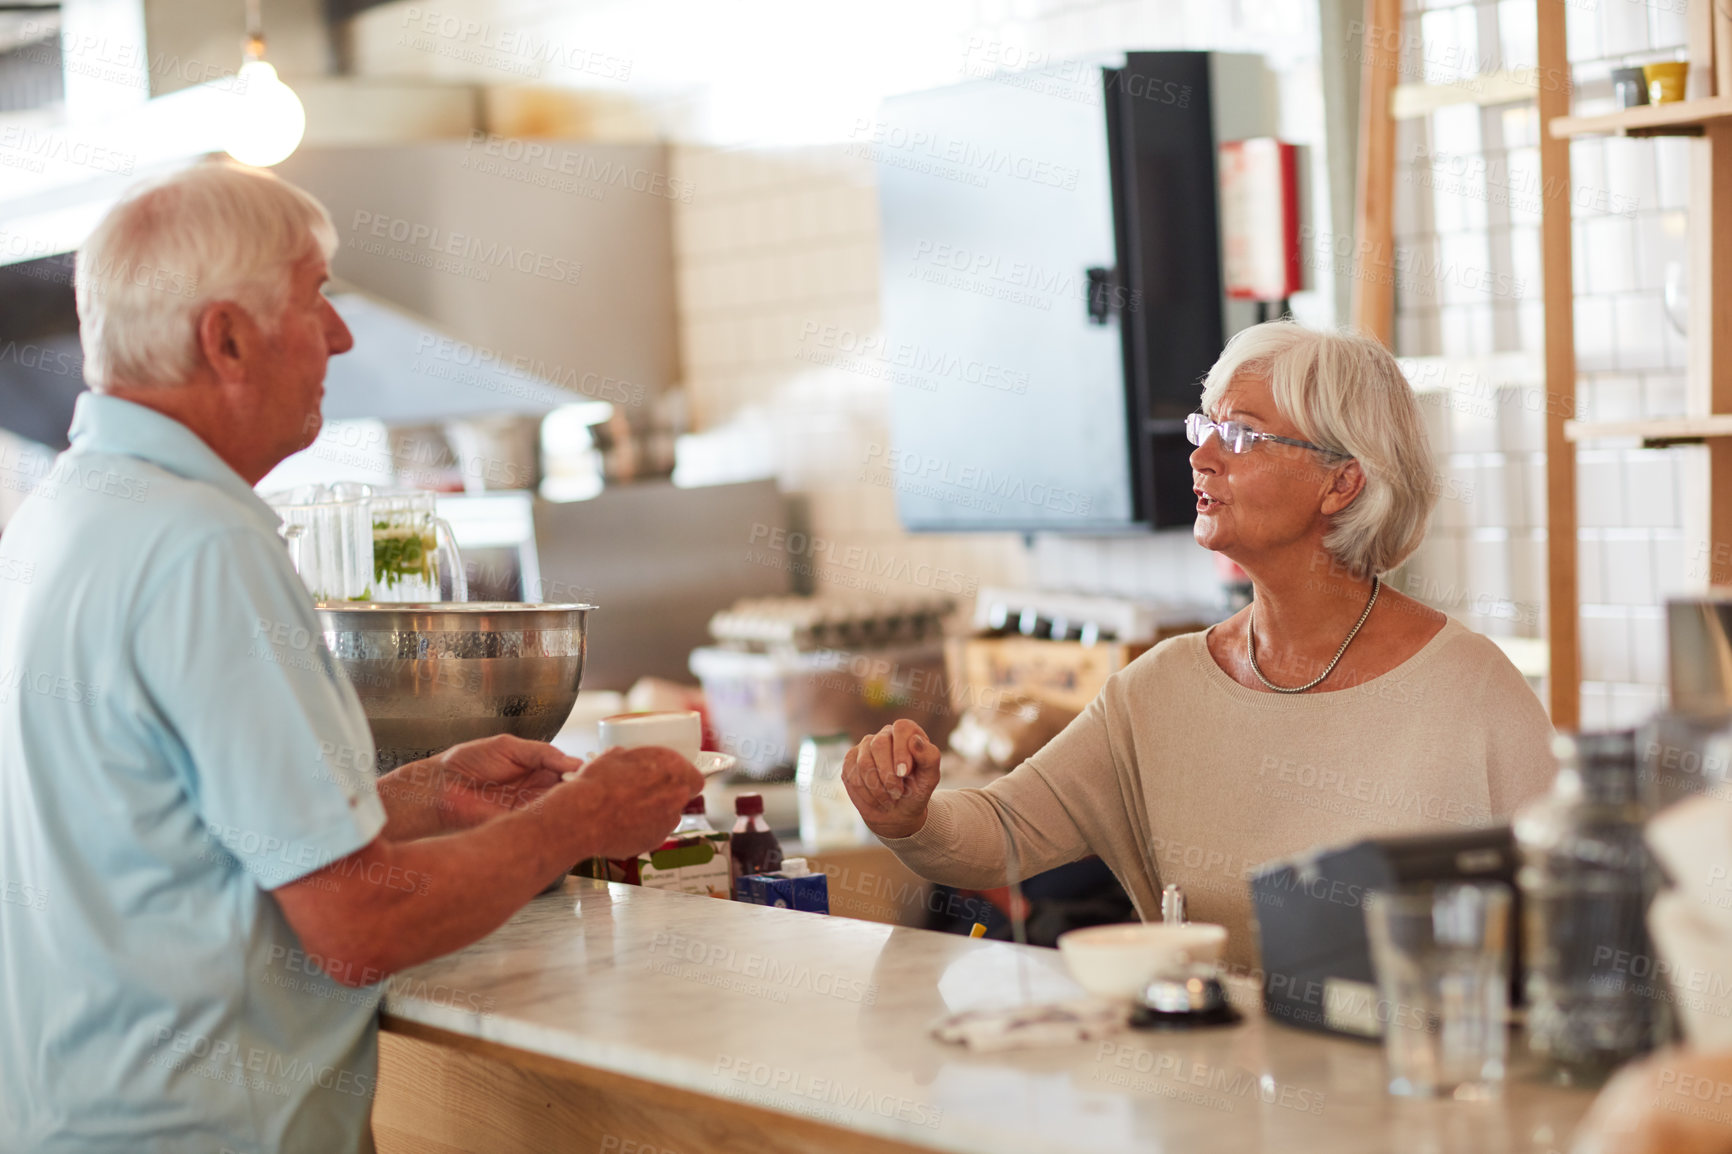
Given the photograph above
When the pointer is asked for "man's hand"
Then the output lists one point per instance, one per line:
(633, 797)
(483, 779)
(890, 777)
(469, 784)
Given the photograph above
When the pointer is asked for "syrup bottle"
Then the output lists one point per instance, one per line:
(753, 849)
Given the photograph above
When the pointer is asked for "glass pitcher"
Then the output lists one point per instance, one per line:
(350, 543)
(330, 541)
(412, 548)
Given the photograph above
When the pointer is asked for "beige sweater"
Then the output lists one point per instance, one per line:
(1177, 773)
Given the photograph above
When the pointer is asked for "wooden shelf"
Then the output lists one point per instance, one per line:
(1680, 118)
(1654, 434)
(1411, 101)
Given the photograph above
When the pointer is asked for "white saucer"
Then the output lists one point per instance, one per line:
(709, 763)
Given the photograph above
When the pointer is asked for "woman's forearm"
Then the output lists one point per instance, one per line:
(964, 843)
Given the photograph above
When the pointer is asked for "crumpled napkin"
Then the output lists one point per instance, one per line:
(1026, 1027)
(1691, 924)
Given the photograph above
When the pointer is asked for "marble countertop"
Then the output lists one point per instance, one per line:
(828, 1017)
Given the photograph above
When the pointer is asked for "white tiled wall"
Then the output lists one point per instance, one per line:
(1470, 186)
(783, 245)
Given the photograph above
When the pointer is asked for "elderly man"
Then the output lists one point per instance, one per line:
(203, 885)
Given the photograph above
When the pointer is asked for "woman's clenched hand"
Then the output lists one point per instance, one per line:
(890, 777)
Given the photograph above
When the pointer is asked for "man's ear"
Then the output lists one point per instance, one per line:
(1345, 484)
(225, 333)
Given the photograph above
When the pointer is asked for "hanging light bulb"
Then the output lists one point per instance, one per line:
(267, 120)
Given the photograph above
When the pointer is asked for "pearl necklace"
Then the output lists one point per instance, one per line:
(1251, 648)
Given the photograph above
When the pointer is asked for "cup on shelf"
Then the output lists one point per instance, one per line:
(1630, 85)
(1442, 956)
(1665, 80)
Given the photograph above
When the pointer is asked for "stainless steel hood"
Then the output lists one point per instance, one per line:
(402, 370)
(41, 367)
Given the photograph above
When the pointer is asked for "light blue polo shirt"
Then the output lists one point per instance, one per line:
(175, 741)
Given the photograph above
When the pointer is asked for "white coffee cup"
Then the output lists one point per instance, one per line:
(681, 730)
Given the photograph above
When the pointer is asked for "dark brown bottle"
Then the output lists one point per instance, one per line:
(753, 849)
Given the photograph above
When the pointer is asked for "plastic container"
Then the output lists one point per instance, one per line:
(828, 819)
(763, 705)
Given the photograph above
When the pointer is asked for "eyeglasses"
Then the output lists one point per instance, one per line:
(1238, 437)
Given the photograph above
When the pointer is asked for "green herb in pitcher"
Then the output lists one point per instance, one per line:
(401, 553)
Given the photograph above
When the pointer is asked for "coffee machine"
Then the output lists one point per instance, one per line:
(1310, 910)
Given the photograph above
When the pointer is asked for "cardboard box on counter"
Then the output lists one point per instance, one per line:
(763, 705)
(693, 863)
(806, 891)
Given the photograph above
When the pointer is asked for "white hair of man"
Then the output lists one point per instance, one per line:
(1345, 391)
(171, 247)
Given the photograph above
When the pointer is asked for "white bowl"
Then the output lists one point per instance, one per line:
(1117, 961)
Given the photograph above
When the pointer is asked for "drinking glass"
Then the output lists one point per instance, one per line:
(1442, 956)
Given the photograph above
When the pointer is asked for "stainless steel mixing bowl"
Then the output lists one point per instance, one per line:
(432, 675)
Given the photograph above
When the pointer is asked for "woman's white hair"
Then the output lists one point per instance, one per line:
(216, 231)
(1344, 391)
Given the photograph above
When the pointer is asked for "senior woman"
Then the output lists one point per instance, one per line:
(1331, 708)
